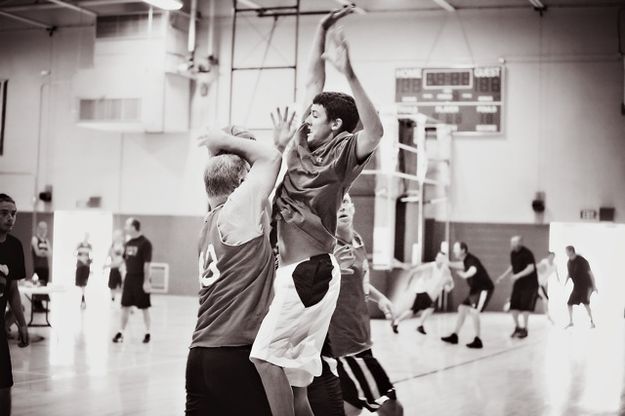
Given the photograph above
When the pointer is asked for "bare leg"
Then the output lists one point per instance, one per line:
(300, 398)
(125, 316)
(351, 410)
(462, 315)
(391, 408)
(589, 311)
(515, 318)
(404, 315)
(475, 315)
(5, 401)
(146, 320)
(526, 318)
(570, 315)
(425, 315)
(277, 387)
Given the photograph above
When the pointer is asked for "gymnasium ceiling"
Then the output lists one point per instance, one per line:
(66, 13)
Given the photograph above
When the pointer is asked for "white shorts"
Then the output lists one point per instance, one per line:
(292, 334)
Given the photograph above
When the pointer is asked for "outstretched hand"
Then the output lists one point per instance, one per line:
(283, 128)
(339, 56)
(210, 139)
(335, 15)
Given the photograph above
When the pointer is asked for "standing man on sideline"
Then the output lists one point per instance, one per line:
(12, 269)
(523, 274)
(41, 251)
(583, 284)
(136, 289)
(471, 269)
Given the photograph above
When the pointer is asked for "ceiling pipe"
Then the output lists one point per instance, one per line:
(74, 7)
(26, 20)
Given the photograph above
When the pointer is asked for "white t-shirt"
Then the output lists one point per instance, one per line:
(432, 279)
(545, 270)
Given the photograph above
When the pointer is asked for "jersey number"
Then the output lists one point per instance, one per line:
(209, 273)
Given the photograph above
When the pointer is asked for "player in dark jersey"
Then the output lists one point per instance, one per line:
(41, 252)
(481, 289)
(136, 288)
(236, 274)
(524, 295)
(115, 263)
(363, 381)
(583, 279)
(11, 270)
(323, 158)
(83, 266)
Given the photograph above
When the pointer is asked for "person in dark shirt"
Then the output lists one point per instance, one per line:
(583, 283)
(481, 289)
(522, 272)
(83, 266)
(136, 289)
(11, 270)
(41, 251)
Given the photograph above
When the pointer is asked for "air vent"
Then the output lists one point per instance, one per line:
(110, 109)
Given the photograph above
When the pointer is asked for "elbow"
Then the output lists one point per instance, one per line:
(378, 131)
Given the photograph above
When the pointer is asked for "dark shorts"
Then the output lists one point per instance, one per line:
(133, 294)
(523, 298)
(324, 394)
(542, 292)
(364, 382)
(223, 381)
(82, 275)
(115, 278)
(421, 302)
(580, 295)
(478, 299)
(6, 372)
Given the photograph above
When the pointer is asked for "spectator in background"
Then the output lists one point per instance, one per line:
(583, 283)
(41, 251)
(83, 266)
(115, 262)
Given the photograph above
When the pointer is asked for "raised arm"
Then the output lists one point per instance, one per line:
(316, 72)
(371, 134)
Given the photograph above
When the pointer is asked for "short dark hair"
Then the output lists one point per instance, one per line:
(570, 248)
(339, 105)
(464, 246)
(6, 198)
(136, 224)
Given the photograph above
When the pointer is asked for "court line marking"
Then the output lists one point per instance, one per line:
(452, 366)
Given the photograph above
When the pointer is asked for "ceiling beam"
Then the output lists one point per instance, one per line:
(80, 4)
(445, 5)
(74, 7)
(25, 20)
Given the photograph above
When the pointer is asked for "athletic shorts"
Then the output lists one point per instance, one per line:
(523, 298)
(82, 275)
(421, 302)
(542, 292)
(223, 381)
(115, 278)
(580, 295)
(292, 333)
(479, 299)
(324, 394)
(364, 382)
(6, 372)
(133, 294)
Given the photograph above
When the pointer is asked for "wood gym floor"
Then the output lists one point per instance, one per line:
(77, 370)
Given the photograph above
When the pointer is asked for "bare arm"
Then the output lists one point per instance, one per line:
(371, 134)
(469, 273)
(525, 272)
(16, 307)
(456, 265)
(385, 305)
(504, 274)
(316, 73)
(592, 279)
(34, 244)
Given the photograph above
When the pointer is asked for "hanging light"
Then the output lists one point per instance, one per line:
(165, 4)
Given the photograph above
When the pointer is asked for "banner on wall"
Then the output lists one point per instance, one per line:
(3, 107)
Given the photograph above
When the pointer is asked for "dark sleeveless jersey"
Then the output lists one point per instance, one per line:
(41, 262)
(236, 287)
(83, 254)
(350, 328)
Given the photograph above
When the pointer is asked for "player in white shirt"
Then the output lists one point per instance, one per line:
(546, 268)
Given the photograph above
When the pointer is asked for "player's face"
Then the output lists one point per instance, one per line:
(319, 127)
(42, 229)
(128, 228)
(345, 215)
(8, 212)
(457, 250)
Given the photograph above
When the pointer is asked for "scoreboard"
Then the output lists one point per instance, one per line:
(468, 99)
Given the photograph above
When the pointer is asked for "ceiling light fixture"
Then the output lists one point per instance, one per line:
(165, 4)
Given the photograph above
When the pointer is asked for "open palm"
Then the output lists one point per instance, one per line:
(339, 55)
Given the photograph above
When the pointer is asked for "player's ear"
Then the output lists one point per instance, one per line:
(336, 124)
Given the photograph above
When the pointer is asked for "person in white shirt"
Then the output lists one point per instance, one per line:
(546, 268)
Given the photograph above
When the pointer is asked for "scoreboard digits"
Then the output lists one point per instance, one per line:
(469, 99)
